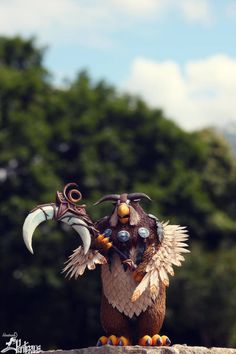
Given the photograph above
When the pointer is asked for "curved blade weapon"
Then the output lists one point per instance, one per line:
(66, 210)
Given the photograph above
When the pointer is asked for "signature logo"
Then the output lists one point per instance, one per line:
(19, 346)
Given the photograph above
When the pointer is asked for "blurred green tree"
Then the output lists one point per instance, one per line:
(107, 142)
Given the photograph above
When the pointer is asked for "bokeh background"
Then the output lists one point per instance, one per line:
(134, 96)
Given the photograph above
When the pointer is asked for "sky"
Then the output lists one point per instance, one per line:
(178, 55)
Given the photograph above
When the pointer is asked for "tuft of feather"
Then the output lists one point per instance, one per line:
(141, 287)
(136, 295)
(168, 254)
(134, 216)
(78, 261)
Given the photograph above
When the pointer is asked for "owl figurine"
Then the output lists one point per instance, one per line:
(136, 252)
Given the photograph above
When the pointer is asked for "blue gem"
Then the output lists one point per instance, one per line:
(143, 232)
(107, 232)
(123, 236)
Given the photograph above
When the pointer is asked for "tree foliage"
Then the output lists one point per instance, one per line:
(108, 143)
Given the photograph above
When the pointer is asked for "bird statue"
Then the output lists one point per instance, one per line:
(136, 252)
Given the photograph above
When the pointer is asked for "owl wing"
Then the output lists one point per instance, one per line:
(78, 262)
(161, 260)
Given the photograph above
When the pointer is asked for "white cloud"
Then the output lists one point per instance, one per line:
(202, 93)
(55, 20)
(90, 22)
(196, 11)
(139, 7)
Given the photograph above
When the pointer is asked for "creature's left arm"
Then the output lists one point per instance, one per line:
(158, 261)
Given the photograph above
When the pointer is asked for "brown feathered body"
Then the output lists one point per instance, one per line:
(136, 253)
(133, 299)
(119, 313)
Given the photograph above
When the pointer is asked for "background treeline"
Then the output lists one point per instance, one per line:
(108, 143)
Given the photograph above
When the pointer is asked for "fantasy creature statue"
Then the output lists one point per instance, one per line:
(136, 251)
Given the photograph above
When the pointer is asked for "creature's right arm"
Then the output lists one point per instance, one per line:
(68, 211)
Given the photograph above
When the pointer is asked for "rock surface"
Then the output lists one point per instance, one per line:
(175, 349)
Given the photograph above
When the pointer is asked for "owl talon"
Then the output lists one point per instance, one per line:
(157, 340)
(145, 341)
(166, 341)
(123, 342)
(112, 340)
(102, 341)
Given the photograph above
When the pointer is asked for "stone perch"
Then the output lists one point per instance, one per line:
(175, 349)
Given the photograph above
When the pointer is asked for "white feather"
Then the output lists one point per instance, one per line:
(168, 254)
(78, 262)
(141, 287)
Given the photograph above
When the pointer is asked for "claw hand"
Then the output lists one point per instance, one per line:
(102, 243)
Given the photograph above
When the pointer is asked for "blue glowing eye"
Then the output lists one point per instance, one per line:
(143, 232)
(123, 236)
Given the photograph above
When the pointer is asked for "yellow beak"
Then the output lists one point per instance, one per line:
(123, 213)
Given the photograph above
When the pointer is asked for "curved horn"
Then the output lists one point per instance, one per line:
(133, 196)
(71, 193)
(80, 227)
(36, 217)
(48, 212)
(113, 197)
